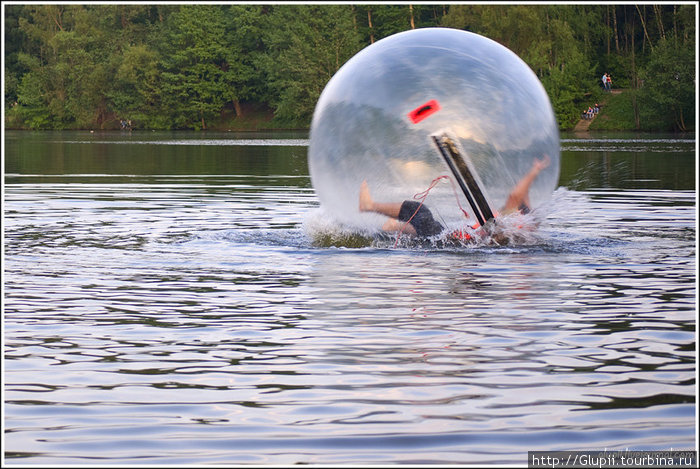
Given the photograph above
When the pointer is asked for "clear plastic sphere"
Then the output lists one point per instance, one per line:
(374, 121)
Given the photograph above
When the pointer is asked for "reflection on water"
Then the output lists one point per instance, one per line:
(258, 142)
(161, 317)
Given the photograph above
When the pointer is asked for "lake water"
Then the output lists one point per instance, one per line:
(166, 302)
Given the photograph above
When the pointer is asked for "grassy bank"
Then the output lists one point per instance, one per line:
(253, 116)
(618, 113)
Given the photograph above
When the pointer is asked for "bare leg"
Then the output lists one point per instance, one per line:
(395, 225)
(390, 209)
(367, 204)
(519, 196)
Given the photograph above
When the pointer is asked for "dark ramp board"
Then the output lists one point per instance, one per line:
(465, 175)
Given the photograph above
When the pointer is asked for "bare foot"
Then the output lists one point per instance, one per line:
(366, 202)
(539, 165)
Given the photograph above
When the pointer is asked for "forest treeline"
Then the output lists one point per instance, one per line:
(169, 66)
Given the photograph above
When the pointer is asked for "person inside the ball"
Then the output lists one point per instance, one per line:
(416, 219)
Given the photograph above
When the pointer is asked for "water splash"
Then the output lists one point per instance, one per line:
(512, 231)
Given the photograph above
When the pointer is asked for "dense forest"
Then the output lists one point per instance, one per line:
(170, 66)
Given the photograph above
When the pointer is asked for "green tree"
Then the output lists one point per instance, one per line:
(544, 39)
(244, 41)
(33, 107)
(182, 66)
(306, 45)
(69, 49)
(669, 84)
(135, 91)
(197, 77)
(14, 45)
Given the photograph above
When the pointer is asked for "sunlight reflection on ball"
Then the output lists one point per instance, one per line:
(487, 97)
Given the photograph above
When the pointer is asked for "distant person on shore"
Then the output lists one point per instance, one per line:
(608, 82)
(604, 80)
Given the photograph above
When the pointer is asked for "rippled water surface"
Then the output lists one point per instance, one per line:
(166, 302)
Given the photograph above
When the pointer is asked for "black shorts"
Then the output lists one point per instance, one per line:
(422, 221)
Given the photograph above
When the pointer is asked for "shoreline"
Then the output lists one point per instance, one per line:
(564, 134)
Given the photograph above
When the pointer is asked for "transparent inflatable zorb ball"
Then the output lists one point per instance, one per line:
(378, 118)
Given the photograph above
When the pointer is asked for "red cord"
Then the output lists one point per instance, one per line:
(423, 195)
